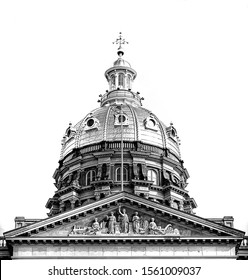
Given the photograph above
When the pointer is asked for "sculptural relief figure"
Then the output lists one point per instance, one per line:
(124, 221)
(144, 226)
(96, 226)
(78, 229)
(176, 231)
(111, 223)
(136, 223)
(168, 230)
(76, 180)
(152, 227)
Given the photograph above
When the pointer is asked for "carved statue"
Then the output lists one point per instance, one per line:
(136, 223)
(168, 230)
(77, 229)
(152, 227)
(111, 223)
(124, 221)
(76, 180)
(144, 226)
(176, 231)
(96, 226)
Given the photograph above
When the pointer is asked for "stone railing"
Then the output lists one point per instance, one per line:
(132, 146)
(2, 242)
(244, 242)
(242, 253)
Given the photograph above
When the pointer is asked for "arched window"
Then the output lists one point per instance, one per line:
(90, 176)
(152, 176)
(121, 80)
(113, 80)
(128, 81)
(118, 174)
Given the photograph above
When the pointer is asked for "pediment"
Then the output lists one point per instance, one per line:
(141, 218)
(121, 221)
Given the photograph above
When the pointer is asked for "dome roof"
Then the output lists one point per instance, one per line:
(103, 124)
(121, 62)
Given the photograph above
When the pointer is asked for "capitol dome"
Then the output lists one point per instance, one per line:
(120, 147)
(139, 126)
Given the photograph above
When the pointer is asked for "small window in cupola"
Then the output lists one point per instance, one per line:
(129, 79)
(112, 82)
(121, 80)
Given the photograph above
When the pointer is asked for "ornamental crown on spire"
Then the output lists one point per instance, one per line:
(120, 41)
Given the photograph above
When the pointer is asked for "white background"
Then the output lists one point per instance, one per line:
(192, 63)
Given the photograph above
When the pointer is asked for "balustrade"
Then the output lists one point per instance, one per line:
(126, 146)
(244, 242)
(2, 241)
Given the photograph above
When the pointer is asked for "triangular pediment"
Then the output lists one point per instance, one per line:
(141, 218)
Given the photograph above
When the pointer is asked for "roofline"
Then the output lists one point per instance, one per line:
(134, 198)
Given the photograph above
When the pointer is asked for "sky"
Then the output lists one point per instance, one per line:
(191, 60)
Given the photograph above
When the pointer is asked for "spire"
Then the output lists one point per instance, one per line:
(121, 42)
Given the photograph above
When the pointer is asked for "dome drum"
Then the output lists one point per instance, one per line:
(120, 96)
(94, 175)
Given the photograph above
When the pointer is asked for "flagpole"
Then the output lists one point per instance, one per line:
(121, 150)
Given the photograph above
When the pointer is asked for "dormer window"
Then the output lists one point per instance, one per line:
(91, 123)
(70, 131)
(171, 132)
(151, 123)
(121, 119)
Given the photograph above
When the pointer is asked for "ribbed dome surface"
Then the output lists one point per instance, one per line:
(121, 62)
(103, 124)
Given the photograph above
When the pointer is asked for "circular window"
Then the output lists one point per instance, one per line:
(121, 118)
(151, 123)
(90, 122)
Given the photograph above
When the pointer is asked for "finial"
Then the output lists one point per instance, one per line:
(120, 41)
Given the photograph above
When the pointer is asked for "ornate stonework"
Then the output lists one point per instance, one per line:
(121, 189)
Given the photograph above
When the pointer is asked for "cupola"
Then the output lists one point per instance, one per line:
(121, 75)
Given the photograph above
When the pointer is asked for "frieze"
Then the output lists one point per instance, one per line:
(124, 223)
